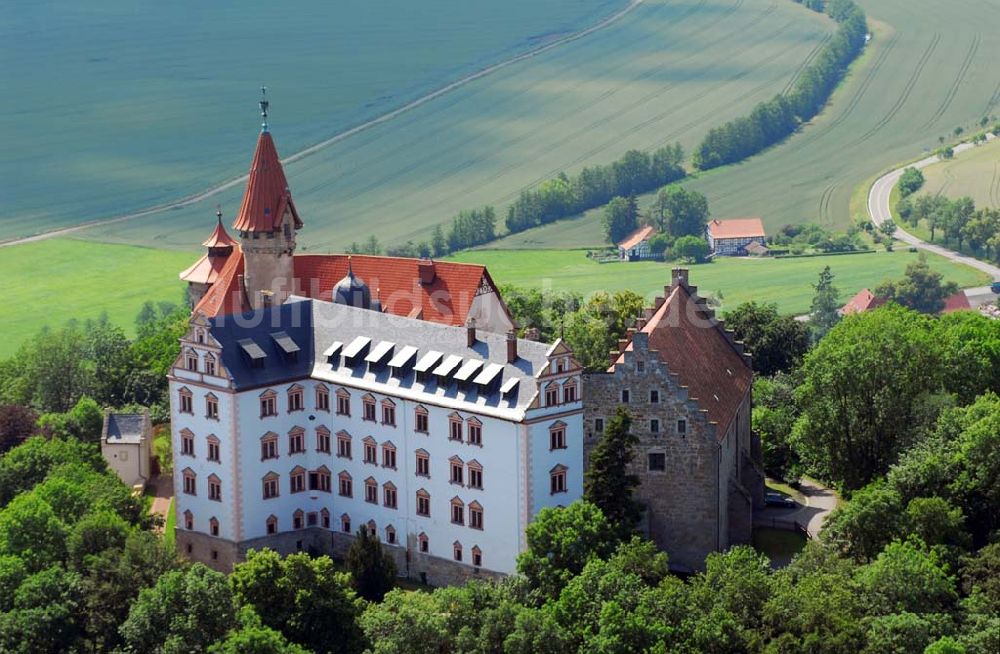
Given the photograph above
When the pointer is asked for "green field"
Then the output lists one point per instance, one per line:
(669, 70)
(786, 282)
(929, 68)
(975, 173)
(114, 105)
(49, 282)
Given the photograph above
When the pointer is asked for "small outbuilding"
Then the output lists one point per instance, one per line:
(635, 246)
(730, 238)
(126, 444)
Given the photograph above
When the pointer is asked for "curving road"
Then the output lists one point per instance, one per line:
(880, 211)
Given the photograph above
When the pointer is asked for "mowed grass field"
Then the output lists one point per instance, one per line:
(975, 173)
(929, 68)
(786, 282)
(115, 105)
(668, 71)
(50, 282)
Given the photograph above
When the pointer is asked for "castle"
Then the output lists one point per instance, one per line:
(318, 394)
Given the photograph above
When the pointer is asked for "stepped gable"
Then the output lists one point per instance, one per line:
(267, 196)
(698, 350)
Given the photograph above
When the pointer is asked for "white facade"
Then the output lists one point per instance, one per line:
(515, 458)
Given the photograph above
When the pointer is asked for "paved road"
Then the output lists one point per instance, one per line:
(215, 190)
(163, 491)
(819, 502)
(880, 211)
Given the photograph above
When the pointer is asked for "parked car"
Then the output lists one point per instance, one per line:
(995, 287)
(778, 500)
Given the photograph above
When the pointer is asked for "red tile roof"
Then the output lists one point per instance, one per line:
(395, 281)
(220, 238)
(737, 228)
(695, 348)
(637, 237)
(205, 270)
(267, 195)
(957, 302)
(863, 301)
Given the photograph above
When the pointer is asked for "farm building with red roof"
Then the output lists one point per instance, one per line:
(635, 246)
(731, 237)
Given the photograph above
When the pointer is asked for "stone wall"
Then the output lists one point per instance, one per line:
(222, 554)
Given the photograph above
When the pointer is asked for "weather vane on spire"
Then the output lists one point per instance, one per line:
(264, 104)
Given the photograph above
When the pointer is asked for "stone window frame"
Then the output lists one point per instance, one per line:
(296, 398)
(210, 364)
(297, 480)
(654, 425)
(456, 426)
(371, 490)
(654, 396)
(390, 535)
(649, 462)
(322, 398)
(552, 394)
(268, 403)
(213, 526)
(296, 440)
(199, 335)
(214, 488)
(475, 515)
(423, 500)
(190, 360)
(323, 439)
(388, 413)
(557, 436)
(474, 429)
(214, 448)
(625, 397)
(456, 474)
(456, 551)
(187, 442)
(599, 425)
(457, 511)
(389, 455)
(475, 474)
(185, 400)
(323, 479)
(421, 420)
(368, 403)
(190, 482)
(477, 556)
(344, 445)
(569, 390)
(423, 456)
(370, 447)
(271, 525)
(269, 446)
(189, 520)
(343, 402)
(681, 427)
(324, 518)
(345, 484)
(558, 479)
(390, 496)
(211, 406)
(372, 528)
(345, 523)
(271, 485)
(298, 519)
(423, 543)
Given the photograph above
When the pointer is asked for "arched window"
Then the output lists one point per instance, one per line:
(298, 519)
(185, 401)
(270, 482)
(372, 529)
(272, 524)
(477, 556)
(424, 543)
(423, 503)
(214, 488)
(188, 520)
(457, 511)
(389, 495)
(475, 474)
(190, 482)
(297, 479)
(456, 551)
(345, 523)
(213, 526)
(324, 517)
(346, 484)
(475, 515)
(371, 490)
(390, 535)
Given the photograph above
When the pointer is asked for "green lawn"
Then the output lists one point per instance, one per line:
(786, 282)
(778, 545)
(975, 173)
(50, 282)
(169, 525)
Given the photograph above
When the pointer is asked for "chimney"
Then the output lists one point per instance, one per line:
(426, 269)
(678, 276)
(511, 346)
(470, 332)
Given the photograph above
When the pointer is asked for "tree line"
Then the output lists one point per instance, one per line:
(775, 119)
(958, 221)
(471, 227)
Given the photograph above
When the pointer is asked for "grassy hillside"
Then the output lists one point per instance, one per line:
(115, 105)
(975, 173)
(50, 282)
(668, 71)
(788, 282)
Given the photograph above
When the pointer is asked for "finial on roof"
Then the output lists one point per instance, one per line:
(350, 270)
(264, 104)
(218, 213)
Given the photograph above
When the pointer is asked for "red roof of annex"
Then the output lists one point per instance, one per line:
(736, 228)
(637, 237)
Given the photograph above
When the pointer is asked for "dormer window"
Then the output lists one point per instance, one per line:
(552, 394)
(191, 361)
(569, 391)
(209, 365)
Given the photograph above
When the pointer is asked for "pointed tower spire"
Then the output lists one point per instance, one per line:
(264, 104)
